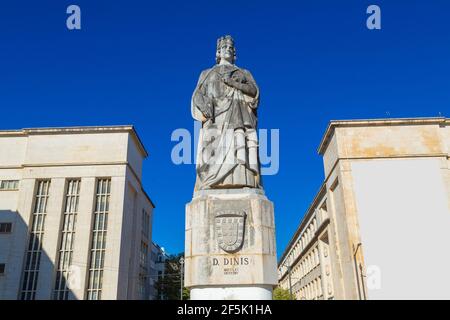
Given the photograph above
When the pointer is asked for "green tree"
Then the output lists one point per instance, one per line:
(282, 294)
(186, 294)
(168, 286)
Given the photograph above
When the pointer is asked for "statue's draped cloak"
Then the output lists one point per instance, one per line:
(233, 112)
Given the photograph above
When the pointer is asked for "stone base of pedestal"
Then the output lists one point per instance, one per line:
(232, 293)
(230, 245)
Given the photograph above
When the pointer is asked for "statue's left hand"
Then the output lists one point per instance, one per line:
(242, 86)
(232, 83)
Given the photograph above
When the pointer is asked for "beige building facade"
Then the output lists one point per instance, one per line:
(380, 221)
(75, 222)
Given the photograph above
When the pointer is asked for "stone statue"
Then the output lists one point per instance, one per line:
(230, 251)
(225, 101)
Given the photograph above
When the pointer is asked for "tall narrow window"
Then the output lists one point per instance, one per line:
(143, 270)
(98, 244)
(145, 224)
(33, 254)
(61, 291)
(144, 255)
(142, 287)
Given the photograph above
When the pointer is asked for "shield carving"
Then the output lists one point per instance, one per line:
(230, 227)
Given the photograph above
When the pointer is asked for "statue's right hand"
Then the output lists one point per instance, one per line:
(206, 114)
(203, 118)
(206, 111)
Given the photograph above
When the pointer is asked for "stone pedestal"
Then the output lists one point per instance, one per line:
(230, 245)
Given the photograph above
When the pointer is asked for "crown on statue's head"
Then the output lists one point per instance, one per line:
(220, 42)
(225, 39)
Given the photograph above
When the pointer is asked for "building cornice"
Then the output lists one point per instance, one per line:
(375, 122)
(77, 130)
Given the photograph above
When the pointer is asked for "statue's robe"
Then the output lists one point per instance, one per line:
(227, 153)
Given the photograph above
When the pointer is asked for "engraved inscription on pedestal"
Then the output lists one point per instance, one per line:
(230, 229)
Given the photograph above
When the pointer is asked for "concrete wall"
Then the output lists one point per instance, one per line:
(404, 216)
(75, 149)
(16, 147)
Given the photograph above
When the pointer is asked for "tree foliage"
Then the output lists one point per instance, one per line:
(168, 287)
(282, 294)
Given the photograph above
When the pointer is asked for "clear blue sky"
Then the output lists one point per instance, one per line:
(137, 62)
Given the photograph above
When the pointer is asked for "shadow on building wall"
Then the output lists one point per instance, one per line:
(30, 273)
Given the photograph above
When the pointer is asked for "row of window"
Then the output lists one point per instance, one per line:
(98, 245)
(307, 264)
(61, 290)
(143, 279)
(301, 244)
(64, 259)
(145, 224)
(311, 291)
(307, 235)
(9, 185)
(33, 254)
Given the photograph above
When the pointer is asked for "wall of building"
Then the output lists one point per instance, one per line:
(87, 154)
(387, 187)
(76, 148)
(404, 222)
(394, 172)
(306, 267)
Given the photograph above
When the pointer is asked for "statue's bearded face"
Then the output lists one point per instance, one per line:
(226, 51)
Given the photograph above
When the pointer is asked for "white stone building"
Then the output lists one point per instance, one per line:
(158, 259)
(75, 222)
(379, 225)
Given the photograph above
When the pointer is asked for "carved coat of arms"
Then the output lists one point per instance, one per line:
(230, 227)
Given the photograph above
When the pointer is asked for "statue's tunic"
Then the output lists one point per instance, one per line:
(227, 155)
